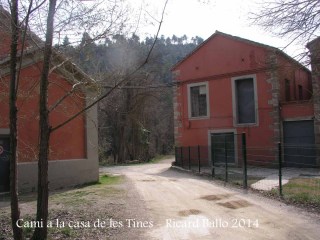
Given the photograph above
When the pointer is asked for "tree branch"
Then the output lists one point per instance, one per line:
(127, 78)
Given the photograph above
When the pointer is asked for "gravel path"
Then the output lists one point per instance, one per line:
(104, 208)
(183, 206)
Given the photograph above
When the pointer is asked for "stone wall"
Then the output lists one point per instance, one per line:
(177, 108)
(273, 79)
(314, 49)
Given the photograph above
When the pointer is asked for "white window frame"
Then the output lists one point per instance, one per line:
(234, 100)
(189, 86)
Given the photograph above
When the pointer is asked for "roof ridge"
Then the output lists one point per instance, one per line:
(35, 44)
(239, 39)
(246, 40)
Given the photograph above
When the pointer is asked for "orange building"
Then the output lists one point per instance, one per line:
(73, 152)
(230, 85)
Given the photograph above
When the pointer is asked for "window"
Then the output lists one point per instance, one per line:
(287, 90)
(300, 92)
(244, 100)
(198, 100)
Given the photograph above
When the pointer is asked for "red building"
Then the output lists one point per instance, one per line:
(73, 150)
(230, 85)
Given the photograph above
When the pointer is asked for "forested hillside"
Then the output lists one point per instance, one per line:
(136, 120)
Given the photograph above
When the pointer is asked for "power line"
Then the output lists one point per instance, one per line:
(169, 85)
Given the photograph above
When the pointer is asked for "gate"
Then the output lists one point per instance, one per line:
(222, 147)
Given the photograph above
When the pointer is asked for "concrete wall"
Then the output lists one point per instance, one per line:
(61, 174)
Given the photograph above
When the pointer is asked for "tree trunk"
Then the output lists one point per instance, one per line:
(15, 212)
(45, 129)
(121, 150)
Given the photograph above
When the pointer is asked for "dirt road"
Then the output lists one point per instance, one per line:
(183, 206)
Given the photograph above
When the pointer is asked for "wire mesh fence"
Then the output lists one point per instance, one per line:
(291, 171)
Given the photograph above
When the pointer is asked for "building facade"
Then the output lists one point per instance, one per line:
(230, 85)
(73, 153)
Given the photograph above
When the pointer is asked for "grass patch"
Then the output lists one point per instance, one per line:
(72, 195)
(72, 198)
(83, 203)
(67, 232)
(84, 194)
(303, 190)
(109, 180)
(28, 231)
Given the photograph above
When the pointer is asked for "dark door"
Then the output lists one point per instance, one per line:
(4, 164)
(219, 143)
(245, 101)
(299, 144)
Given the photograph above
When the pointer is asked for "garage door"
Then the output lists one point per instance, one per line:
(299, 147)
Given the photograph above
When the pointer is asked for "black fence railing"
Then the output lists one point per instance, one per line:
(291, 171)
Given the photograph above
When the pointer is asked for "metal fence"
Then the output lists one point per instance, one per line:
(284, 170)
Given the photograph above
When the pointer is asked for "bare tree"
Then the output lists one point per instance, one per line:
(136, 119)
(129, 117)
(45, 130)
(295, 19)
(48, 10)
(15, 212)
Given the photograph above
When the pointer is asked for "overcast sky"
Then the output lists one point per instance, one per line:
(204, 17)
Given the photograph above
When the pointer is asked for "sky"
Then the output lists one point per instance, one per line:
(203, 17)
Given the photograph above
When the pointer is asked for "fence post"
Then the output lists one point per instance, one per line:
(280, 169)
(212, 160)
(189, 158)
(181, 154)
(244, 157)
(226, 156)
(199, 163)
